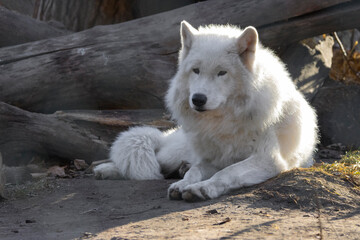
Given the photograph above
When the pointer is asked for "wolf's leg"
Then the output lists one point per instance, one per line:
(253, 170)
(297, 135)
(265, 163)
(107, 171)
(175, 151)
(195, 174)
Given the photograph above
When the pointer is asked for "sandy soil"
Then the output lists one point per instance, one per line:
(299, 204)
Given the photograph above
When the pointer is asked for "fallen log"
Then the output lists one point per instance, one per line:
(17, 29)
(25, 7)
(336, 18)
(127, 66)
(69, 135)
(106, 124)
(82, 14)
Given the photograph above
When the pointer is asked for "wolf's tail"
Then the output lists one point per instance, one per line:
(133, 156)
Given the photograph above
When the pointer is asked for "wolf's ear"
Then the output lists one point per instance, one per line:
(246, 44)
(187, 36)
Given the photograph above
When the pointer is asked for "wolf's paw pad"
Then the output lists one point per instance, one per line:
(195, 193)
(175, 189)
(174, 194)
(184, 167)
(99, 174)
(189, 196)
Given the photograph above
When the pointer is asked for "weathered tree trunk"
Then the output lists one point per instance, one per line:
(336, 18)
(79, 134)
(128, 65)
(82, 14)
(17, 29)
(25, 7)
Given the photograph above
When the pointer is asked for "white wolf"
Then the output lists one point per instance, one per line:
(242, 119)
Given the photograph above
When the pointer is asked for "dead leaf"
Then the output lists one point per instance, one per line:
(80, 164)
(340, 69)
(56, 171)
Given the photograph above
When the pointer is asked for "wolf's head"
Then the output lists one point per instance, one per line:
(215, 64)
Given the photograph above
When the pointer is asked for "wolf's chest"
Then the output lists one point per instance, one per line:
(222, 151)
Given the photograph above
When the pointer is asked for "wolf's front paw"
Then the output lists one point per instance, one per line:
(174, 194)
(175, 190)
(200, 191)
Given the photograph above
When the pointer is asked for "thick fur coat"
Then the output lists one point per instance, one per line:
(241, 119)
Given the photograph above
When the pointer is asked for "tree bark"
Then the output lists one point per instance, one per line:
(76, 134)
(336, 18)
(128, 65)
(25, 7)
(82, 14)
(17, 29)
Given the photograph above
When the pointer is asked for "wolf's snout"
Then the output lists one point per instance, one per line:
(199, 99)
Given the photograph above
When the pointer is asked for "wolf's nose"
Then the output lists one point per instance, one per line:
(199, 99)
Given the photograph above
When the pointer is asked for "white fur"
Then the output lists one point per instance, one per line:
(145, 153)
(253, 125)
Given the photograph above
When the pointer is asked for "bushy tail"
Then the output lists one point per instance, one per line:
(133, 156)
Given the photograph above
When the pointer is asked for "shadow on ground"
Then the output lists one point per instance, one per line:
(309, 203)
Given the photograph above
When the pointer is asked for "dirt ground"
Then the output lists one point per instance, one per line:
(299, 204)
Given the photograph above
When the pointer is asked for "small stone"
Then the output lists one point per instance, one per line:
(212, 211)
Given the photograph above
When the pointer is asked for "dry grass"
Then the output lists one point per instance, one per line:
(29, 189)
(348, 168)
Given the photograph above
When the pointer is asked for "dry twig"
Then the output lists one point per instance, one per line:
(346, 56)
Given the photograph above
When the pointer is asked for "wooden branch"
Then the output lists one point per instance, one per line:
(128, 65)
(335, 18)
(76, 134)
(17, 29)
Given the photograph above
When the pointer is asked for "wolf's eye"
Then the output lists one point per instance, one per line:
(221, 73)
(196, 70)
